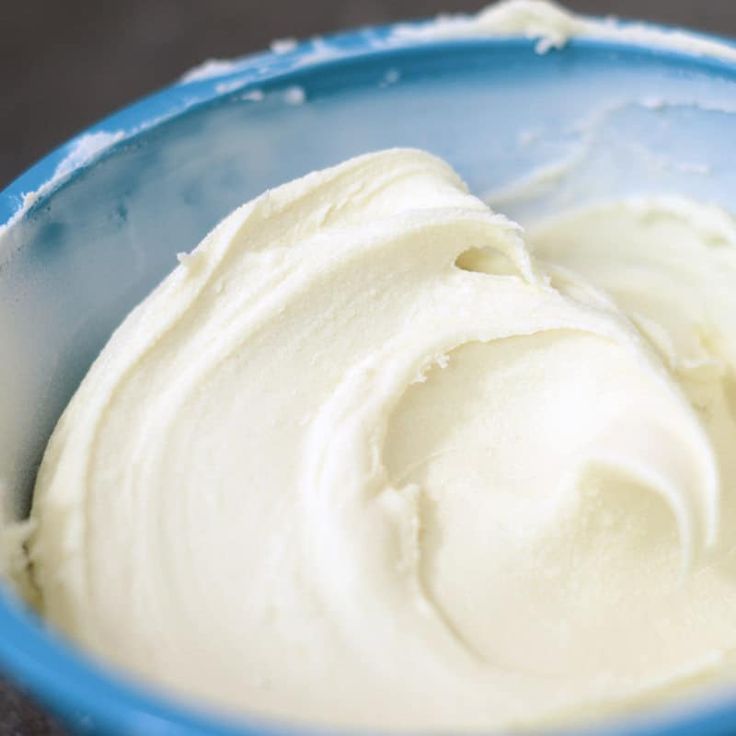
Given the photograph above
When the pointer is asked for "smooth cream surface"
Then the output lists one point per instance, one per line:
(372, 456)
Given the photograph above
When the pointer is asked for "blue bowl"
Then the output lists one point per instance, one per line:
(111, 208)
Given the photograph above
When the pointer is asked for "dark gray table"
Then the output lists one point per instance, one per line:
(65, 64)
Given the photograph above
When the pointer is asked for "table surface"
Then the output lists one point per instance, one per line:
(65, 65)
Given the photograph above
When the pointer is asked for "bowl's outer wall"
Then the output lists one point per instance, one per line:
(604, 120)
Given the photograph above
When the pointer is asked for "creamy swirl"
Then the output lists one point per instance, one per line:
(366, 458)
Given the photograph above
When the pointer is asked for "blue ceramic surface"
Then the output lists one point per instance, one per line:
(609, 119)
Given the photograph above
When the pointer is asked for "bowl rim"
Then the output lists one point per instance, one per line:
(85, 692)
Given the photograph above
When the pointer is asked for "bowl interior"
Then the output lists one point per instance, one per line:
(531, 132)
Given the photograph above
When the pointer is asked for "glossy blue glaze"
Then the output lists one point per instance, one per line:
(93, 244)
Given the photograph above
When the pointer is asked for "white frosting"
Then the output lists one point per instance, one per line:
(553, 25)
(547, 21)
(365, 458)
(209, 69)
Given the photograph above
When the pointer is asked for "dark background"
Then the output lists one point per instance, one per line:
(66, 63)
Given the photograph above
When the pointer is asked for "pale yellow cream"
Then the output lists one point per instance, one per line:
(372, 456)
